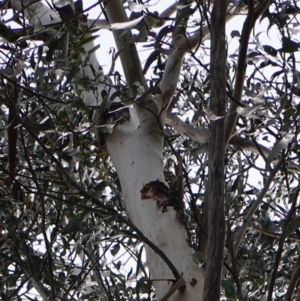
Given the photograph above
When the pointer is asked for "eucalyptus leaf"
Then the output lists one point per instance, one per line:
(289, 45)
(235, 33)
(137, 7)
(230, 290)
(270, 50)
(125, 25)
(115, 249)
(279, 146)
(247, 111)
(290, 229)
(38, 26)
(62, 3)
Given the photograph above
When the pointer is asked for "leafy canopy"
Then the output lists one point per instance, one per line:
(63, 223)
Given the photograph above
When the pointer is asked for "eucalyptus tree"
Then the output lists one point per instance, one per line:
(100, 171)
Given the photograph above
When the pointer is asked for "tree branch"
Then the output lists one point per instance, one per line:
(240, 74)
(214, 195)
(130, 60)
(254, 207)
(289, 218)
(182, 44)
(272, 234)
(159, 20)
(252, 16)
(95, 268)
(294, 280)
(202, 136)
(196, 134)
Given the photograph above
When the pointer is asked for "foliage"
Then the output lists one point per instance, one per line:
(64, 229)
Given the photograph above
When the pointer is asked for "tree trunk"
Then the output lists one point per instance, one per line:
(137, 157)
(214, 197)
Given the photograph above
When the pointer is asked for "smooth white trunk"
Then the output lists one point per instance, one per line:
(137, 157)
(136, 152)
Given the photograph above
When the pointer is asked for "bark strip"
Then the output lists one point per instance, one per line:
(214, 198)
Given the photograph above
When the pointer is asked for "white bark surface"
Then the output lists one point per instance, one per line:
(138, 160)
(136, 152)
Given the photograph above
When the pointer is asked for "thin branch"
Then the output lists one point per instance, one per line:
(94, 265)
(43, 219)
(233, 262)
(289, 218)
(272, 234)
(294, 280)
(36, 284)
(128, 54)
(254, 206)
(249, 145)
(180, 45)
(196, 134)
(178, 285)
(252, 16)
(203, 33)
(30, 276)
(241, 70)
(202, 136)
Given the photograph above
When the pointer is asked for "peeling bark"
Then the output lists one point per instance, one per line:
(156, 190)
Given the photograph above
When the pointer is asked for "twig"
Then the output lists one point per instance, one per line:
(252, 16)
(241, 70)
(272, 234)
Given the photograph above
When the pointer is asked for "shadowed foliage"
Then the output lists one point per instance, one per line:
(65, 233)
